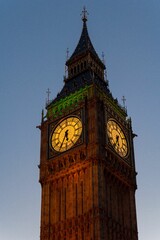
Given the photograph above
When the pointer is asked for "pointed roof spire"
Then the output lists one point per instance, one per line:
(84, 45)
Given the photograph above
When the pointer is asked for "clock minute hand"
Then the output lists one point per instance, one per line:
(62, 142)
(65, 137)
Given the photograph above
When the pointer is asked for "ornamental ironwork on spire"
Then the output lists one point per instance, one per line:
(84, 14)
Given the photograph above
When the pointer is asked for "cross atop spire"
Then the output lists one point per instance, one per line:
(84, 14)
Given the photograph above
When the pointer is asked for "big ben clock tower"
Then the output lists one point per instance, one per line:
(87, 167)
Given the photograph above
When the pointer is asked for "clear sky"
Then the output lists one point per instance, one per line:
(34, 36)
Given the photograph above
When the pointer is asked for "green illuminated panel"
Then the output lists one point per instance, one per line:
(57, 108)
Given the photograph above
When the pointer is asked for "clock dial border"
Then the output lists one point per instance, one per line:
(117, 138)
(66, 134)
(51, 151)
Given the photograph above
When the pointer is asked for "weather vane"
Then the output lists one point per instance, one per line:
(84, 14)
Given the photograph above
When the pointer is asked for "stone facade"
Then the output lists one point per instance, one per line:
(88, 191)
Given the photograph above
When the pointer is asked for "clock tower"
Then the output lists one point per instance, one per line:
(87, 166)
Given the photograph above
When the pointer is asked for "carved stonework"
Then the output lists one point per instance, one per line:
(82, 224)
(66, 162)
(119, 168)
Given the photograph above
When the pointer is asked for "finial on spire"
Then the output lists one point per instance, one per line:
(124, 101)
(84, 14)
(48, 94)
(66, 68)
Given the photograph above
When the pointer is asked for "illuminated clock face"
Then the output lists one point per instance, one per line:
(117, 138)
(66, 134)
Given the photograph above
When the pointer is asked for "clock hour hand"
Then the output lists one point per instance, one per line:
(65, 137)
(117, 140)
(66, 134)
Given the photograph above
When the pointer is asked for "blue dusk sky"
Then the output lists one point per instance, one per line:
(34, 36)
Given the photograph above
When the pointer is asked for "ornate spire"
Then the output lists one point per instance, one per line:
(84, 14)
(84, 45)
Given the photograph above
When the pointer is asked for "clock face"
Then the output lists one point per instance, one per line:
(66, 134)
(117, 138)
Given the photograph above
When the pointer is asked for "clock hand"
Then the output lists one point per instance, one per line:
(62, 142)
(117, 140)
(65, 137)
(66, 134)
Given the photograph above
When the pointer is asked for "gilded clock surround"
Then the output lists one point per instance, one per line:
(66, 134)
(117, 138)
